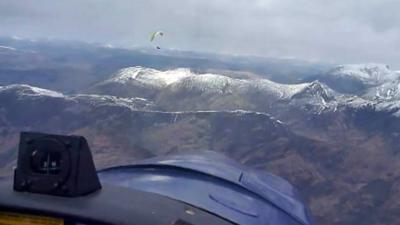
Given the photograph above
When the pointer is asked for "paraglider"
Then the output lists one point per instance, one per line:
(156, 35)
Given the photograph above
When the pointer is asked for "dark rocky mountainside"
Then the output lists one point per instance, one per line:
(341, 151)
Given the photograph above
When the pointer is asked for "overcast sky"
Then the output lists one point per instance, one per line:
(341, 31)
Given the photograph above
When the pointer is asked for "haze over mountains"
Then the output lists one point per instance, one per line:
(333, 131)
(71, 66)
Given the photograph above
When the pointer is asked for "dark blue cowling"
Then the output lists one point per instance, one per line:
(217, 184)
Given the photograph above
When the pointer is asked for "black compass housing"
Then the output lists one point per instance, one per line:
(55, 165)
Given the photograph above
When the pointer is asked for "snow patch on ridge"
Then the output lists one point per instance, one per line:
(152, 76)
(23, 89)
(183, 79)
(369, 74)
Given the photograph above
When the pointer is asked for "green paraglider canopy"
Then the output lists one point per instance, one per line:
(155, 35)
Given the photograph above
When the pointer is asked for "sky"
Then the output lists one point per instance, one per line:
(336, 31)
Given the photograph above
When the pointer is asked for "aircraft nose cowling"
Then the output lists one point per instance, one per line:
(212, 182)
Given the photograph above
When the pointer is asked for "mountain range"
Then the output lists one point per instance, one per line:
(70, 66)
(334, 134)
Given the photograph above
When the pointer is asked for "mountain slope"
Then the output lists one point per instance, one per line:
(338, 149)
(181, 89)
(357, 78)
(318, 152)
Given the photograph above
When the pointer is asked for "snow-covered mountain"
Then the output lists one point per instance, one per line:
(358, 78)
(309, 133)
(150, 76)
(182, 89)
(381, 83)
(19, 96)
(138, 82)
(366, 85)
(387, 91)
(27, 90)
(368, 74)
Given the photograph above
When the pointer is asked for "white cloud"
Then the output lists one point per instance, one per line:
(343, 31)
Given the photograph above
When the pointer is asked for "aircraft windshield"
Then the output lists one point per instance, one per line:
(305, 92)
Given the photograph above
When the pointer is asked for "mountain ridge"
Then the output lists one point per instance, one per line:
(333, 146)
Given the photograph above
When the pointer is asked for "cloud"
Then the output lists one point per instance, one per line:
(342, 31)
